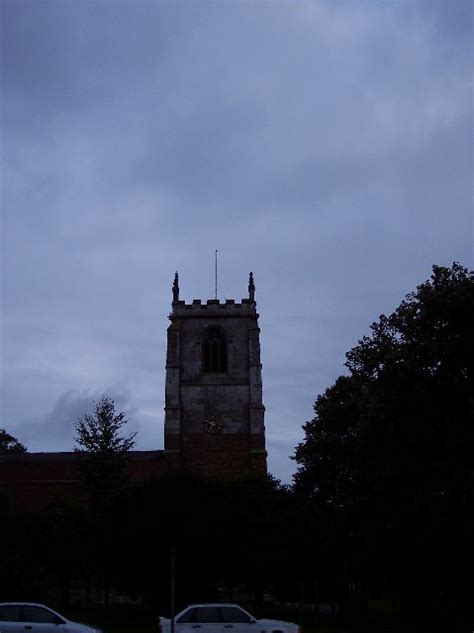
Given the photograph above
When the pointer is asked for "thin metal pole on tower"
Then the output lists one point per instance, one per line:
(215, 271)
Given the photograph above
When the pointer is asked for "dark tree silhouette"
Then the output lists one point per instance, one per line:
(9, 444)
(389, 451)
(104, 469)
(104, 450)
(243, 532)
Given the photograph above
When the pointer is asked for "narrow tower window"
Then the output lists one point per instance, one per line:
(215, 351)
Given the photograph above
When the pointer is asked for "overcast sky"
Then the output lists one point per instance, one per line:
(326, 146)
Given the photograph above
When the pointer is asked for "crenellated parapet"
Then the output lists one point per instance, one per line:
(214, 308)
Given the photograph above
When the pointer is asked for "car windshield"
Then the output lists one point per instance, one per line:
(188, 616)
(208, 615)
(234, 614)
(40, 615)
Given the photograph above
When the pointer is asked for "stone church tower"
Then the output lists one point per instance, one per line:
(213, 402)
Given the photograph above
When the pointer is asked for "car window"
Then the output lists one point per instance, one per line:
(10, 613)
(234, 614)
(40, 615)
(188, 616)
(207, 615)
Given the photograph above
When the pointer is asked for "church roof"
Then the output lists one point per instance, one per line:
(71, 456)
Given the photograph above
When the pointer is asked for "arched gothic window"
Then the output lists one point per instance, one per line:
(215, 351)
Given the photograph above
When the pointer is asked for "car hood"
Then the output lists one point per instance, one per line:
(275, 622)
(77, 627)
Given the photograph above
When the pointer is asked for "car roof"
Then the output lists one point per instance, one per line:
(215, 604)
(30, 604)
(27, 604)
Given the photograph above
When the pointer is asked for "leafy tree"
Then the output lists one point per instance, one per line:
(394, 439)
(104, 466)
(99, 434)
(9, 444)
(104, 450)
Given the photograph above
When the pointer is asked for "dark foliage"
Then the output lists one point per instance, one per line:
(99, 439)
(225, 534)
(388, 455)
(9, 444)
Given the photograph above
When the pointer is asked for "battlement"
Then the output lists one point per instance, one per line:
(213, 308)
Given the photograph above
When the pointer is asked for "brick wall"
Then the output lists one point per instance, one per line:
(224, 457)
(32, 480)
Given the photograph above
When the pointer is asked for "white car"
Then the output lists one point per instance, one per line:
(223, 618)
(29, 616)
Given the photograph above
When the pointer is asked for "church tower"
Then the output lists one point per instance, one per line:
(214, 416)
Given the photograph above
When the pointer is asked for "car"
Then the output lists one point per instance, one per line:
(30, 616)
(222, 618)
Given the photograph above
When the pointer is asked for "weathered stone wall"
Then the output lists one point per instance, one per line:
(234, 397)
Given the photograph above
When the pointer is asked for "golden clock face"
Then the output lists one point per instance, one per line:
(212, 425)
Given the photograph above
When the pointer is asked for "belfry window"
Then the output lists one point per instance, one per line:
(215, 351)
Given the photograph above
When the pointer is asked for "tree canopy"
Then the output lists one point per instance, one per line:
(9, 443)
(395, 437)
(406, 408)
(104, 449)
(99, 434)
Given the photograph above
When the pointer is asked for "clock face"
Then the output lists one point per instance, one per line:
(212, 425)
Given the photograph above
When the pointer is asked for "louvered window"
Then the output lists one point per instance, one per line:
(215, 351)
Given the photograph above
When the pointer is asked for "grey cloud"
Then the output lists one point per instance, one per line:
(69, 55)
(55, 431)
(324, 146)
